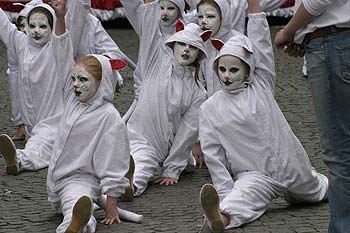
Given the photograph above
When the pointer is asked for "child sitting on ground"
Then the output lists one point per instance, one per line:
(243, 132)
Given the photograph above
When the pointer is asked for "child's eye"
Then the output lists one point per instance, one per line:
(222, 69)
(211, 16)
(73, 78)
(200, 16)
(31, 26)
(181, 43)
(171, 8)
(43, 26)
(193, 47)
(233, 70)
(83, 79)
(162, 8)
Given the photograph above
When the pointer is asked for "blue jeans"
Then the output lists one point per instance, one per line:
(328, 66)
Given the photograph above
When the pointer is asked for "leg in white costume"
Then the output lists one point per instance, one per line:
(250, 197)
(68, 196)
(147, 161)
(312, 191)
(36, 154)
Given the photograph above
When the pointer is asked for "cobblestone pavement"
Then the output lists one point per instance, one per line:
(23, 199)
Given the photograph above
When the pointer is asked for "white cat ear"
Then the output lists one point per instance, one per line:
(179, 25)
(206, 35)
(117, 64)
(217, 43)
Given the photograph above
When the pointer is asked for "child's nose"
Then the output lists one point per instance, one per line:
(164, 13)
(187, 49)
(226, 77)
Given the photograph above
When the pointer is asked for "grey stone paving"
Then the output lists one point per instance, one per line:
(23, 198)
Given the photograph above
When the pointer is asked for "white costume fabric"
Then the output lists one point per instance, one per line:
(40, 94)
(232, 20)
(244, 132)
(164, 125)
(166, 31)
(13, 73)
(91, 151)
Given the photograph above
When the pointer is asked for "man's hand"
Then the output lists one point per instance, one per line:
(112, 214)
(165, 181)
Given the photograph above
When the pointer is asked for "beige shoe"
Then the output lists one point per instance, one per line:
(82, 212)
(129, 191)
(209, 201)
(8, 151)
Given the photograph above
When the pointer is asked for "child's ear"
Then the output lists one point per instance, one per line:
(179, 25)
(206, 35)
(217, 43)
(117, 64)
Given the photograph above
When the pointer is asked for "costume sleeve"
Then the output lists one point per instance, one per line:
(112, 157)
(259, 33)
(63, 55)
(214, 156)
(238, 9)
(76, 20)
(105, 45)
(131, 7)
(9, 34)
(316, 7)
(185, 138)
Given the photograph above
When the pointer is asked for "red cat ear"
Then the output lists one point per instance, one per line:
(187, 7)
(206, 35)
(217, 44)
(179, 25)
(117, 64)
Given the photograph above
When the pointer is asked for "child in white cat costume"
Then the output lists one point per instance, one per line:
(242, 130)
(91, 151)
(164, 125)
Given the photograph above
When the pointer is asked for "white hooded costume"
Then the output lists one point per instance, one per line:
(244, 132)
(164, 125)
(40, 92)
(232, 20)
(131, 7)
(91, 152)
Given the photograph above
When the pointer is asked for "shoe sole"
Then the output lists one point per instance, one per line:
(209, 201)
(82, 212)
(129, 191)
(8, 151)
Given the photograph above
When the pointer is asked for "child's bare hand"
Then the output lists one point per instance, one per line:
(166, 181)
(198, 155)
(59, 7)
(112, 214)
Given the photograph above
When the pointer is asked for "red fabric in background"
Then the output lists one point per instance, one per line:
(288, 3)
(105, 4)
(8, 5)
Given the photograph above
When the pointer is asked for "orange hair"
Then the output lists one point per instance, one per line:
(92, 65)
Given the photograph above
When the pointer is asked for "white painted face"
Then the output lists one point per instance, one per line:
(169, 12)
(84, 84)
(209, 18)
(232, 72)
(22, 24)
(39, 28)
(185, 54)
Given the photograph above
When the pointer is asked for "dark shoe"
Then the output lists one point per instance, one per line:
(209, 201)
(129, 191)
(8, 151)
(82, 212)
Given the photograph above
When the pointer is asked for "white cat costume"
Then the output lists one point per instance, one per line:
(164, 125)
(244, 132)
(232, 20)
(166, 31)
(39, 92)
(91, 152)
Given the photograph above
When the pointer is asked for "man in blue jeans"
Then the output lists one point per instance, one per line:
(323, 28)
